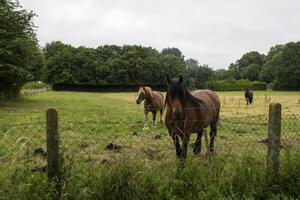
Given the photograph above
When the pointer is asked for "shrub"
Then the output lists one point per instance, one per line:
(236, 85)
(35, 85)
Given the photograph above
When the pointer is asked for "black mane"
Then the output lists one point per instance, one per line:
(178, 90)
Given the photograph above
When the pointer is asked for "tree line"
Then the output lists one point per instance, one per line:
(23, 60)
(132, 64)
(280, 68)
(109, 64)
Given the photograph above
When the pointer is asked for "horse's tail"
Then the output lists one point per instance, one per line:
(163, 104)
(166, 101)
(217, 121)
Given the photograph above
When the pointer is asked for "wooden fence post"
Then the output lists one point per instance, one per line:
(207, 144)
(274, 129)
(52, 145)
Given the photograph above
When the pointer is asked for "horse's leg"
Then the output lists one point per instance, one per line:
(177, 146)
(146, 119)
(176, 143)
(154, 118)
(161, 115)
(197, 145)
(213, 134)
(185, 141)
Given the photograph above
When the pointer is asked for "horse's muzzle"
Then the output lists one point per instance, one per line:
(138, 102)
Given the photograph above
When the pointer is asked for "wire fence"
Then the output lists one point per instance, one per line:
(109, 134)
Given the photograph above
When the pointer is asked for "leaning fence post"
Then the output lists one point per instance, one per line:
(274, 129)
(52, 145)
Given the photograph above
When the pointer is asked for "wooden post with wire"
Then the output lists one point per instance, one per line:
(206, 143)
(208, 150)
(53, 165)
(274, 130)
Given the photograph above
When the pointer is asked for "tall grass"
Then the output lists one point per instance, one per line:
(133, 179)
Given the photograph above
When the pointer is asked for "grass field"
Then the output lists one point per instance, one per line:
(144, 164)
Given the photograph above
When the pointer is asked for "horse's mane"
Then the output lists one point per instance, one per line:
(148, 92)
(181, 92)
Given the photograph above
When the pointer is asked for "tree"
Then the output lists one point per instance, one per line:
(252, 57)
(171, 65)
(191, 63)
(233, 71)
(197, 75)
(239, 68)
(173, 51)
(20, 56)
(250, 72)
(60, 63)
(268, 71)
(222, 74)
(286, 65)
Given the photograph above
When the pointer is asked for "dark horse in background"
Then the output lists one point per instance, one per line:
(249, 96)
(190, 112)
(153, 102)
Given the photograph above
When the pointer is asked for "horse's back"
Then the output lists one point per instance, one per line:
(158, 100)
(249, 93)
(206, 95)
(209, 100)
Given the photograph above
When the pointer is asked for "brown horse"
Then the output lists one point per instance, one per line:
(154, 101)
(190, 112)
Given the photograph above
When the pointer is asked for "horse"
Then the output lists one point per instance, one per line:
(153, 102)
(248, 96)
(190, 112)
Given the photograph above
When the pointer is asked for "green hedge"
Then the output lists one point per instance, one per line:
(236, 85)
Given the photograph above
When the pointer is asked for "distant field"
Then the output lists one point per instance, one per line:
(90, 121)
(72, 103)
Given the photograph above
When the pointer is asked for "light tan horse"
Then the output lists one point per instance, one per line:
(189, 113)
(153, 102)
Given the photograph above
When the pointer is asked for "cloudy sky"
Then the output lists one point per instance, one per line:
(215, 32)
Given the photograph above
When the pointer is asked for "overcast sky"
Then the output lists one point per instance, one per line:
(215, 32)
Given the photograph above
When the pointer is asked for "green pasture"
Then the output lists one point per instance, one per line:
(91, 121)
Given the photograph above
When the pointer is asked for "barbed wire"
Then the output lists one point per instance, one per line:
(223, 119)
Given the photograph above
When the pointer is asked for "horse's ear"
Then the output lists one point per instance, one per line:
(180, 79)
(168, 79)
(143, 87)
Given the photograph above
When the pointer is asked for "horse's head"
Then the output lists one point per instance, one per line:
(176, 96)
(141, 95)
(144, 93)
